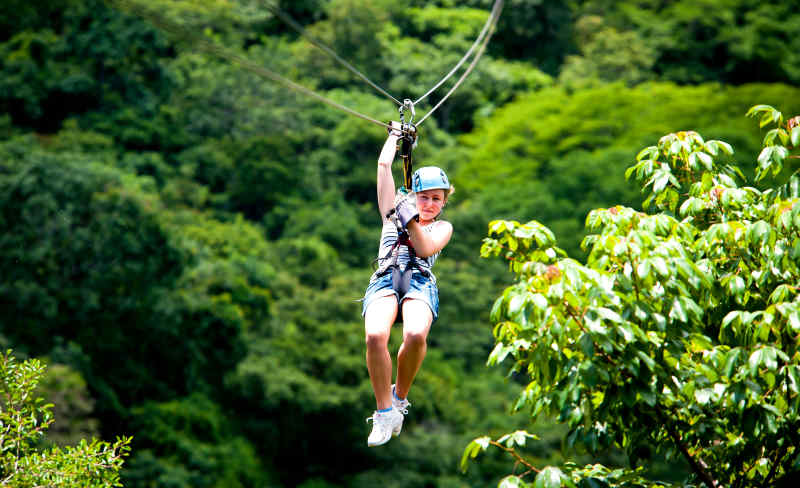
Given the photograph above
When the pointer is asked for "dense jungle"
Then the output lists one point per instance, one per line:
(185, 243)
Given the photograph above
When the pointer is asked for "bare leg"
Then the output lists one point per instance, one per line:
(378, 321)
(417, 319)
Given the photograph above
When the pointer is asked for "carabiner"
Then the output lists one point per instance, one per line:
(407, 105)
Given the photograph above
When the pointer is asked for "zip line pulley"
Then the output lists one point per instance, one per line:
(408, 140)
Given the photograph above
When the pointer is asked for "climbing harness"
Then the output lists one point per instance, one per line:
(401, 277)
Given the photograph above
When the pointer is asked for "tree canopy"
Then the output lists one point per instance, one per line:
(679, 333)
(185, 242)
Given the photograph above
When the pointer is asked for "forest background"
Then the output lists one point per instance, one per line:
(185, 243)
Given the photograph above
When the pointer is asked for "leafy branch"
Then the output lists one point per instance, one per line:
(653, 294)
(23, 419)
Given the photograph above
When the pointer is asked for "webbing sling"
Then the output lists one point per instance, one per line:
(408, 141)
(401, 278)
(406, 145)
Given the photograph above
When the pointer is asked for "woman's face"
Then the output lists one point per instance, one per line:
(430, 203)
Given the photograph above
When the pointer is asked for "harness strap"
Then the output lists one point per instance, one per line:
(408, 141)
(394, 252)
(408, 165)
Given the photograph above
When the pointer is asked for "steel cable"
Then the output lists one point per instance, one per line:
(202, 44)
(303, 32)
(471, 65)
(495, 13)
(491, 21)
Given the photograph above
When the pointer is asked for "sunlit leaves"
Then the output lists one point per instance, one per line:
(24, 418)
(698, 159)
(765, 357)
(771, 159)
(552, 477)
(511, 481)
(473, 449)
(766, 114)
(517, 438)
(521, 244)
(693, 322)
(715, 147)
(679, 160)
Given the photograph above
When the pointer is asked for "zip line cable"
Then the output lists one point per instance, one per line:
(471, 64)
(264, 72)
(303, 32)
(202, 44)
(495, 13)
(491, 21)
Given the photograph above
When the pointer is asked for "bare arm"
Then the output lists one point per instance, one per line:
(385, 179)
(429, 243)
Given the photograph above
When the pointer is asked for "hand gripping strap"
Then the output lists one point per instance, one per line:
(406, 212)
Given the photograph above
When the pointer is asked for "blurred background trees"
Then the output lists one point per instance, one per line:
(189, 241)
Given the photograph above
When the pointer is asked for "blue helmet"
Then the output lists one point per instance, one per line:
(429, 178)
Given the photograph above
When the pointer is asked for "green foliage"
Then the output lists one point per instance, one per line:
(411, 54)
(608, 55)
(736, 41)
(111, 256)
(73, 406)
(350, 27)
(188, 242)
(529, 30)
(20, 15)
(560, 151)
(24, 419)
(189, 442)
(104, 256)
(677, 334)
(96, 60)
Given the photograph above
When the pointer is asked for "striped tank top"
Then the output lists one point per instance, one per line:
(389, 237)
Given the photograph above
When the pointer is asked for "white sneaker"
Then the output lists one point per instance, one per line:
(400, 405)
(384, 426)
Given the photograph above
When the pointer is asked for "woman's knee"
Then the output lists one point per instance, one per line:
(415, 338)
(377, 339)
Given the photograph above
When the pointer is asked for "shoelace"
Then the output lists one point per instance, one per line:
(377, 418)
(402, 406)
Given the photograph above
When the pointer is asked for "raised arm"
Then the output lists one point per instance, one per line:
(429, 243)
(386, 188)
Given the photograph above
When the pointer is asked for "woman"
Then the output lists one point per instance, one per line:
(406, 220)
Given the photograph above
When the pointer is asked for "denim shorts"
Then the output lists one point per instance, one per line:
(420, 288)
